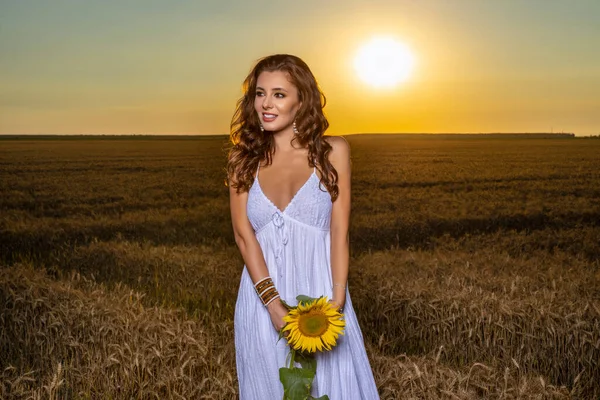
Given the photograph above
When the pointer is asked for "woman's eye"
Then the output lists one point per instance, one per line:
(259, 94)
(279, 95)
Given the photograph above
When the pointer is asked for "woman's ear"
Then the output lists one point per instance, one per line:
(298, 112)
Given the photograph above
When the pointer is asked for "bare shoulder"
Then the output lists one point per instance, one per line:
(340, 149)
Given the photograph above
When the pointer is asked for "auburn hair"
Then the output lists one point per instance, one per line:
(251, 146)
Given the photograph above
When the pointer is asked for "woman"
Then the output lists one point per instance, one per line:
(290, 209)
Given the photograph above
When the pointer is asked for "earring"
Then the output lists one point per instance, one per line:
(294, 128)
(262, 128)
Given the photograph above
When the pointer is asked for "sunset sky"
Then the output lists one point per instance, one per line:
(176, 67)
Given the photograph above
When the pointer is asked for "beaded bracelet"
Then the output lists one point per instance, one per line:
(276, 296)
(339, 284)
(263, 283)
(265, 289)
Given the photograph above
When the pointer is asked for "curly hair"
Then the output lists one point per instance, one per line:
(251, 146)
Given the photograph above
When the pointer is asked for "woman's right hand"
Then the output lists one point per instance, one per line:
(277, 311)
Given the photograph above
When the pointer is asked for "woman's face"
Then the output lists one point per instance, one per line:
(276, 101)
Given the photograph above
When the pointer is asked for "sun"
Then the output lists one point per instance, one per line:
(384, 62)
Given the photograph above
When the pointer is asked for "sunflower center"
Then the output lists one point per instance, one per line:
(313, 323)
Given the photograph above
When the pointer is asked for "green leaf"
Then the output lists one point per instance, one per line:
(307, 361)
(324, 397)
(305, 299)
(296, 383)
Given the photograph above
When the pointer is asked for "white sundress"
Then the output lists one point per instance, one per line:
(296, 246)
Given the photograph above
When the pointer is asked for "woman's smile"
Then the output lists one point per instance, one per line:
(269, 117)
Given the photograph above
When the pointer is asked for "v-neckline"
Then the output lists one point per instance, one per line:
(293, 197)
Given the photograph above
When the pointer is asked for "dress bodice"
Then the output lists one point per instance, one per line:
(311, 206)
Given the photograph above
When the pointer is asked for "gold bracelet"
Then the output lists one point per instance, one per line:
(270, 301)
(263, 284)
(263, 279)
(266, 291)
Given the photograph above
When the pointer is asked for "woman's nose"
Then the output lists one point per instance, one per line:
(267, 102)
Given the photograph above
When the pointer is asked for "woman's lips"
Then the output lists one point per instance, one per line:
(269, 117)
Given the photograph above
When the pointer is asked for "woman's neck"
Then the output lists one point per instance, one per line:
(284, 141)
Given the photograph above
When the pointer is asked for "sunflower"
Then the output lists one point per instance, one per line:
(313, 326)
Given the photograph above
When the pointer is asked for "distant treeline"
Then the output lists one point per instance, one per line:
(208, 137)
(495, 135)
(111, 137)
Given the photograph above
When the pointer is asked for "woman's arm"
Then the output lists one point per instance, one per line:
(340, 219)
(251, 251)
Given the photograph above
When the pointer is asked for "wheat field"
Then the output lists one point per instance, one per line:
(474, 268)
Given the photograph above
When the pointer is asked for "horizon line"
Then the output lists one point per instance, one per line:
(150, 136)
(344, 134)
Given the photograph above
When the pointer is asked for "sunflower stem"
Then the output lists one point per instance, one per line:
(292, 358)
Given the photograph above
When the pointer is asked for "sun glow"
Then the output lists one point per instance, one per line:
(383, 62)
